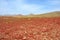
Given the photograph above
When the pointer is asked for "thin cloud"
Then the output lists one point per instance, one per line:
(11, 7)
(18, 6)
(54, 2)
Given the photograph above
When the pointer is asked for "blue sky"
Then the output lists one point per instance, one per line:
(14, 7)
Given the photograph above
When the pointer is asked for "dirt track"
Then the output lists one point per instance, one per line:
(30, 28)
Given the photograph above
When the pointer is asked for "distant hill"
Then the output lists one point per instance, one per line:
(50, 14)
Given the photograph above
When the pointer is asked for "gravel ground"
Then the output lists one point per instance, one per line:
(30, 28)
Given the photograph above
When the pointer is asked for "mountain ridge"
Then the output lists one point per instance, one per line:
(50, 14)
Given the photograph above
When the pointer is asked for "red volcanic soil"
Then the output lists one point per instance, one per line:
(30, 28)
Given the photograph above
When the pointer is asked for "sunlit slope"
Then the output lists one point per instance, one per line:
(51, 14)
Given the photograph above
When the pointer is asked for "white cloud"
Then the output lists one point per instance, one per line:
(28, 8)
(19, 6)
(31, 8)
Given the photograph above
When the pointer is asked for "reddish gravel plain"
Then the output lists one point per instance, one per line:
(29, 28)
